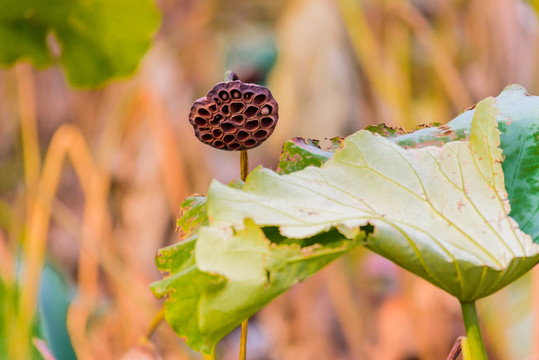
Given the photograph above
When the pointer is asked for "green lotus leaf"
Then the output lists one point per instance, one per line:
(518, 121)
(256, 271)
(440, 212)
(203, 305)
(231, 276)
(193, 215)
(98, 40)
(183, 286)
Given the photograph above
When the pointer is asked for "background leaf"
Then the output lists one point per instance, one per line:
(54, 300)
(99, 40)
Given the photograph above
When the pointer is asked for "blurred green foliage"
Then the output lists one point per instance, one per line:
(98, 40)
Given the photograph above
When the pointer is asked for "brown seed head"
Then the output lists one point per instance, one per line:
(234, 116)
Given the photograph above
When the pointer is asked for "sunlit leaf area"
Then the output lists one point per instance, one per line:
(400, 183)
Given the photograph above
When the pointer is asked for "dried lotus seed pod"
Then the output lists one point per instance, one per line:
(234, 116)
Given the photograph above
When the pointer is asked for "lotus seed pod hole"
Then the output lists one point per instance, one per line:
(251, 111)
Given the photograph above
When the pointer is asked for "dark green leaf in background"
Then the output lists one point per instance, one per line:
(99, 40)
(54, 299)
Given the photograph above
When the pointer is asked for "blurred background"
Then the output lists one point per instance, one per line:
(123, 157)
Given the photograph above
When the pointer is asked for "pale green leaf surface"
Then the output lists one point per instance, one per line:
(518, 121)
(256, 271)
(99, 40)
(235, 274)
(440, 212)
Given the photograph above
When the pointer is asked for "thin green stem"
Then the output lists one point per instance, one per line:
(244, 166)
(473, 332)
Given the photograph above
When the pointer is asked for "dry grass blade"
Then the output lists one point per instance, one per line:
(369, 54)
(441, 62)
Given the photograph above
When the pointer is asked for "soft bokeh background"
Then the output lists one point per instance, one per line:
(334, 66)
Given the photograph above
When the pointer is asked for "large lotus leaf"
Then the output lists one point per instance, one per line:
(194, 307)
(440, 212)
(518, 121)
(99, 39)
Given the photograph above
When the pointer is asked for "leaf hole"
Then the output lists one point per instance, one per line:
(228, 139)
(251, 111)
(250, 143)
(218, 144)
(238, 119)
(203, 112)
(217, 133)
(206, 137)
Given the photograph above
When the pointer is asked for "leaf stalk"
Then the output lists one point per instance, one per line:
(473, 332)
